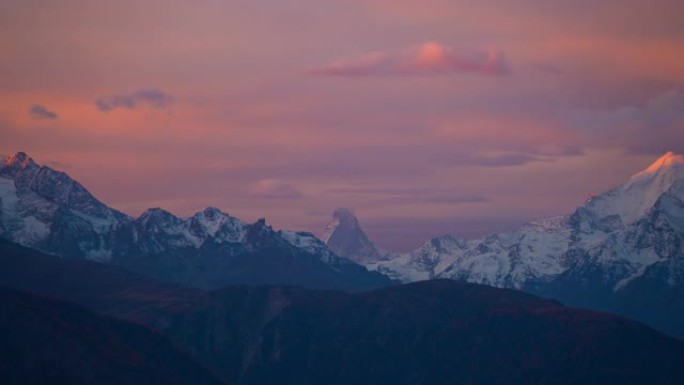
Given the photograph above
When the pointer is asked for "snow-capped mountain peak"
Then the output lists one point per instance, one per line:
(220, 225)
(634, 199)
(41, 206)
(211, 219)
(665, 162)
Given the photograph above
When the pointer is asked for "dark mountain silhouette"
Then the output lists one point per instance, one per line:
(438, 331)
(47, 341)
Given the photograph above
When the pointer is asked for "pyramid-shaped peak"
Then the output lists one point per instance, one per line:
(638, 196)
(345, 237)
(344, 214)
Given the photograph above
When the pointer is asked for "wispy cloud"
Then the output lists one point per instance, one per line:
(430, 58)
(403, 195)
(150, 97)
(469, 159)
(40, 112)
(652, 128)
(274, 189)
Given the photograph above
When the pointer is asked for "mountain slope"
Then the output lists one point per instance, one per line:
(104, 288)
(625, 244)
(445, 332)
(47, 341)
(47, 210)
(438, 331)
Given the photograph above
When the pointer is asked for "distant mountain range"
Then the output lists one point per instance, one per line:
(113, 326)
(103, 302)
(622, 251)
(47, 210)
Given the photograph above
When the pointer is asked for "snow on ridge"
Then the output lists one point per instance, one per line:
(27, 214)
(635, 198)
(330, 230)
(308, 242)
(8, 196)
(542, 250)
(669, 159)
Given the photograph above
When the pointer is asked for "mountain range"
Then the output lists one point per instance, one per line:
(89, 294)
(622, 251)
(47, 210)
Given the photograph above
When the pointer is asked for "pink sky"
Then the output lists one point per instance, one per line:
(424, 116)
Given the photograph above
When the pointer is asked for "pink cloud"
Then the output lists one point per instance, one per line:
(275, 189)
(430, 58)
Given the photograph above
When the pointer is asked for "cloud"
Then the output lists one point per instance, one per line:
(150, 97)
(275, 189)
(402, 195)
(464, 158)
(460, 158)
(427, 59)
(40, 112)
(653, 128)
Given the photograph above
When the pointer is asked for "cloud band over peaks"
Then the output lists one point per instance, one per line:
(427, 59)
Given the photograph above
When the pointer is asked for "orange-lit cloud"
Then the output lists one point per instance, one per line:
(430, 58)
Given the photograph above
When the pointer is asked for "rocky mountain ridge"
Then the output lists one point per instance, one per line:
(47, 210)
